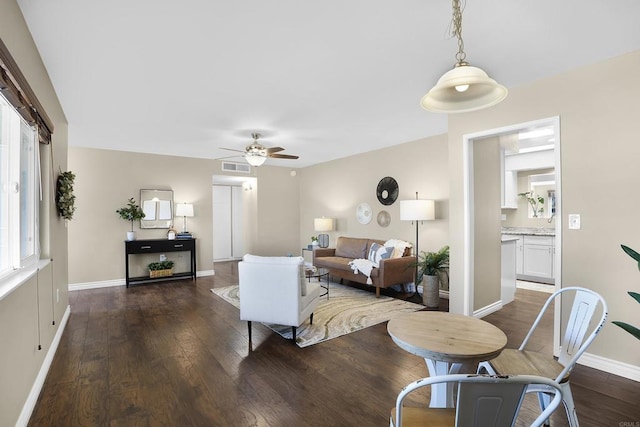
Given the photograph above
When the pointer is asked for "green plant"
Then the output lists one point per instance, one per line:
(314, 238)
(636, 296)
(160, 265)
(131, 212)
(534, 200)
(431, 263)
(65, 200)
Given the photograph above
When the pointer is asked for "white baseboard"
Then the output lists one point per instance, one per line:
(487, 310)
(119, 282)
(96, 285)
(32, 398)
(611, 366)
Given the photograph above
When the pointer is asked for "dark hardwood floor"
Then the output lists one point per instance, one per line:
(175, 354)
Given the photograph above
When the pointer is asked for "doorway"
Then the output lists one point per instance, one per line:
(470, 227)
(230, 208)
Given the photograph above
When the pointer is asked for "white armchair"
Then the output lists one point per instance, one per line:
(275, 290)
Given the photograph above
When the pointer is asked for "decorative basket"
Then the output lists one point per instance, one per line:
(160, 273)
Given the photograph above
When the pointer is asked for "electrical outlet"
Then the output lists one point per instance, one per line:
(163, 257)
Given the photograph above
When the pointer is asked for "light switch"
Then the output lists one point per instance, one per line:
(574, 221)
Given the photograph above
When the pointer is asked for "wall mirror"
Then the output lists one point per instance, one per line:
(157, 206)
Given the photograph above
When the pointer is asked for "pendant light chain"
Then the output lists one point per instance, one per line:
(457, 31)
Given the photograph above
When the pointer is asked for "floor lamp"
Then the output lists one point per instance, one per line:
(417, 210)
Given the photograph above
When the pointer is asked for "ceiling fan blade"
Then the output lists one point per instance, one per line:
(282, 156)
(232, 149)
(274, 150)
(229, 157)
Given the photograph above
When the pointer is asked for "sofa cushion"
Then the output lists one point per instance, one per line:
(378, 253)
(352, 248)
(338, 263)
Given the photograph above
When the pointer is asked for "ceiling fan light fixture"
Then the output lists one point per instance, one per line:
(465, 88)
(255, 159)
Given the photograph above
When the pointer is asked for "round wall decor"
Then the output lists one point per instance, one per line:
(384, 219)
(364, 213)
(387, 191)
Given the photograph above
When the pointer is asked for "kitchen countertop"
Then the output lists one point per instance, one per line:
(529, 231)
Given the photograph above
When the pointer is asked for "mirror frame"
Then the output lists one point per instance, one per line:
(148, 195)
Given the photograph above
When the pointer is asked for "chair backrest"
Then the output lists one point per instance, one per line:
(576, 340)
(485, 400)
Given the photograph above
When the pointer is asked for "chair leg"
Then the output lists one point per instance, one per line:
(485, 368)
(293, 333)
(249, 326)
(569, 405)
(544, 399)
(311, 319)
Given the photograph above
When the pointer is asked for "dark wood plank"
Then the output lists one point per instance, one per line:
(173, 354)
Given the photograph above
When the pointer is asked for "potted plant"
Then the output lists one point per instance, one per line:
(430, 264)
(160, 269)
(131, 212)
(534, 200)
(635, 295)
(314, 242)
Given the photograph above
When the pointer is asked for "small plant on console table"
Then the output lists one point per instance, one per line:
(131, 212)
(160, 269)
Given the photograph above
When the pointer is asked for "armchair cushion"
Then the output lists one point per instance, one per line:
(286, 260)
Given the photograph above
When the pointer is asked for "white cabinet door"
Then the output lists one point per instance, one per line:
(508, 277)
(538, 260)
(520, 255)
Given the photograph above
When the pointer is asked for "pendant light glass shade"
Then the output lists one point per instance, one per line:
(463, 89)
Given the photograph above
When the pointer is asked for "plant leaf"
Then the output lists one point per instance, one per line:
(633, 254)
(634, 295)
(627, 327)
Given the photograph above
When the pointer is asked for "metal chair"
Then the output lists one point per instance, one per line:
(522, 361)
(483, 401)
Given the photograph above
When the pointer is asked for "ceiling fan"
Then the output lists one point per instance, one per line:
(256, 154)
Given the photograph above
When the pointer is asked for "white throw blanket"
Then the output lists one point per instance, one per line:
(363, 266)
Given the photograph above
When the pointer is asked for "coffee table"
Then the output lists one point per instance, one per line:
(319, 273)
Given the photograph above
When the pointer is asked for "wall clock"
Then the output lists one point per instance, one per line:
(387, 191)
(364, 213)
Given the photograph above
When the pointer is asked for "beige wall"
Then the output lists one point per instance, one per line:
(30, 311)
(106, 179)
(598, 111)
(486, 214)
(335, 189)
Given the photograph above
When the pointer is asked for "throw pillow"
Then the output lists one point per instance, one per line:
(378, 253)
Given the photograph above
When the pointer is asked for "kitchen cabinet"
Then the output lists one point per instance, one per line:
(508, 273)
(538, 254)
(508, 185)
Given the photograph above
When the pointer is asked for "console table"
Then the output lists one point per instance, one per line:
(133, 247)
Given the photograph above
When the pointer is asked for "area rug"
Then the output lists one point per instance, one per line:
(347, 310)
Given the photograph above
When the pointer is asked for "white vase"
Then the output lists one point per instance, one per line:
(431, 291)
(131, 235)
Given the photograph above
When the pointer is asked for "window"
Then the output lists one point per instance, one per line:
(18, 191)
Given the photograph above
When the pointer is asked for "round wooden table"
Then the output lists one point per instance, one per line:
(446, 341)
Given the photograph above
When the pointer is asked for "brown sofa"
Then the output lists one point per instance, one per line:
(392, 271)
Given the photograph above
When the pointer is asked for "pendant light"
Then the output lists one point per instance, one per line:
(465, 88)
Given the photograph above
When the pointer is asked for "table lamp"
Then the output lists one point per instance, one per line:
(184, 210)
(323, 224)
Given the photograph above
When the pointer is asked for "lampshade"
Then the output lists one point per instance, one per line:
(255, 159)
(463, 89)
(417, 210)
(184, 209)
(323, 224)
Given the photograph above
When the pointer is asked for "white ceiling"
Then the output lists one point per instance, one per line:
(324, 79)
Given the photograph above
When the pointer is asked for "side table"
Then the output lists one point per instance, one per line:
(319, 273)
